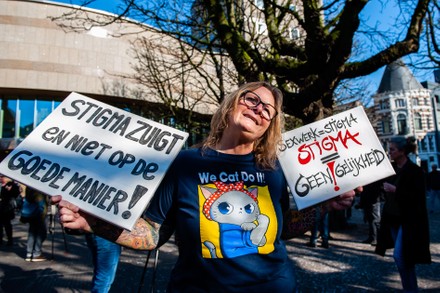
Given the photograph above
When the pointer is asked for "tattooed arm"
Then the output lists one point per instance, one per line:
(143, 236)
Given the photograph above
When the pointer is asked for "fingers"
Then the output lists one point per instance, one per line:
(347, 195)
(71, 220)
(343, 201)
(359, 189)
(69, 214)
(55, 199)
(63, 204)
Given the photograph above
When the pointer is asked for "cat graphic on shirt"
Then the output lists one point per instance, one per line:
(242, 227)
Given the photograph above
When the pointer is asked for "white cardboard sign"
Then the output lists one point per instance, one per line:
(326, 158)
(105, 160)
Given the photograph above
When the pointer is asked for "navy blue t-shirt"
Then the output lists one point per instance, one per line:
(228, 218)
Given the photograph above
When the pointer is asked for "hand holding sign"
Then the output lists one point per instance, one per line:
(343, 201)
(69, 215)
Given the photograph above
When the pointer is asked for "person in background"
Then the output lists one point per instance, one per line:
(229, 227)
(433, 186)
(320, 229)
(34, 212)
(9, 193)
(404, 223)
(370, 203)
(20, 198)
(105, 258)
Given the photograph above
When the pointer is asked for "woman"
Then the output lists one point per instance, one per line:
(226, 202)
(404, 222)
(35, 210)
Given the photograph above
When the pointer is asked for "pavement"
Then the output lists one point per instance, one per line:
(347, 266)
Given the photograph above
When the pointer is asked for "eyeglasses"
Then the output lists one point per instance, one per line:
(252, 100)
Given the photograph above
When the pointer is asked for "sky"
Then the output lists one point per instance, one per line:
(384, 17)
(106, 5)
(379, 15)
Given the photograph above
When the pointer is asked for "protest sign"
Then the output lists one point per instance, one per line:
(107, 161)
(332, 156)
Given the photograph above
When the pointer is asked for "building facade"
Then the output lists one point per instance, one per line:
(42, 63)
(404, 107)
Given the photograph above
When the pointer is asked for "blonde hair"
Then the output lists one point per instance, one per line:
(266, 147)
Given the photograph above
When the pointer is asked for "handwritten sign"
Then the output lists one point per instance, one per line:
(332, 156)
(107, 161)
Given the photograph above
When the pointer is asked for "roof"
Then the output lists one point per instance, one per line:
(397, 77)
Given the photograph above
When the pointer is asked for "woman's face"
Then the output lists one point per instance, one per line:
(251, 122)
(395, 153)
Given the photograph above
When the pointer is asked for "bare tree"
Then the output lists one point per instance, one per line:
(432, 33)
(305, 47)
(187, 81)
(356, 89)
(169, 72)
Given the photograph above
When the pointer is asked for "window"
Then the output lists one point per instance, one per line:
(21, 116)
(428, 122)
(400, 103)
(431, 142)
(383, 105)
(44, 108)
(401, 124)
(423, 146)
(294, 33)
(415, 102)
(418, 121)
(259, 4)
(9, 108)
(25, 117)
(386, 127)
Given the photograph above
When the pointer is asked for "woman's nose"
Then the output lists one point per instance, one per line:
(258, 108)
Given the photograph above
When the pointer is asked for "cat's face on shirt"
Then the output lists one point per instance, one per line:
(234, 207)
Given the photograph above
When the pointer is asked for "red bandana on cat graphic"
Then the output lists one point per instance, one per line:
(222, 188)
